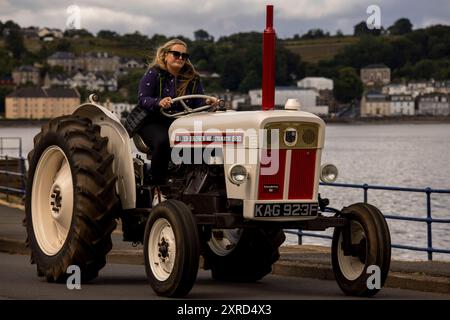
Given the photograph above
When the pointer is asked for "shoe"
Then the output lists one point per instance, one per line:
(158, 197)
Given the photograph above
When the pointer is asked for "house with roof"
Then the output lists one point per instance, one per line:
(402, 105)
(374, 103)
(308, 98)
(26, 74)
(64, 59)
(375, 75)
(41, 103)
(433, 104)
(318, 83)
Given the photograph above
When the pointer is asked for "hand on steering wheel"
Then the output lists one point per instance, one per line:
(187, 110)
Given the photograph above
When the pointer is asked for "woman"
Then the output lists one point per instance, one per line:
(170, 75)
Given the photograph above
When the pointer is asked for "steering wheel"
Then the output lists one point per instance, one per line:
(187, 109)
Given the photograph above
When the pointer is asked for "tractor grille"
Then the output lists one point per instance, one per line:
(302, 174)
(271, 187)
(300, 177)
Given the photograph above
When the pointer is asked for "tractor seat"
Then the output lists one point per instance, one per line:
(141, 146)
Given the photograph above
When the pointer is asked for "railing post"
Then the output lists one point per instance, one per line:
(429, 227)
(7, 177)
(300, 236)
(365, 187)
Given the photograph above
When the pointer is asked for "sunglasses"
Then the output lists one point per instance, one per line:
(178, 54)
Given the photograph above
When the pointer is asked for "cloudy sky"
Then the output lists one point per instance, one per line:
(220, 17)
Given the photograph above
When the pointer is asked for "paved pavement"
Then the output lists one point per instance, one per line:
(302, 262)
(125, 281)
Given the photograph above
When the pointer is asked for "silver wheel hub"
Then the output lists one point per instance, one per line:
(353, 266)
(52, 200)
(224, 241)
(162, 249)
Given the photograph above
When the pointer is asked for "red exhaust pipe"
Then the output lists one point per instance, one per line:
(268, 72)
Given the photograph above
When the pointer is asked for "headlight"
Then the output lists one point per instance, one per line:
(328, 173)
(238, 174)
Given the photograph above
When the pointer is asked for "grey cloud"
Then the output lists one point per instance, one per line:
(220, 17)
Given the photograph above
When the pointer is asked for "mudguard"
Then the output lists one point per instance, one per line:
(119, 145)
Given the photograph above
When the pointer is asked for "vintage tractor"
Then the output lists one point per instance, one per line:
(236, 180)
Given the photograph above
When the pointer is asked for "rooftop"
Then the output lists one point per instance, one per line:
(38, 92)
(376, 66)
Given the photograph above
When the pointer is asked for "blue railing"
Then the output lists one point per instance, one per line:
(429, 220)
(13, 167)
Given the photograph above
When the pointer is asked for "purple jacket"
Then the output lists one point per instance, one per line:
(150, 92)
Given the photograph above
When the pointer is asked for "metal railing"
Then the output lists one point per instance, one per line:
(6, 147)
(429, 220)
(13, 171)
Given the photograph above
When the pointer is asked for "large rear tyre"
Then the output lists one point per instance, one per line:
(71, 202)
(370, 246)
(171, 249)
(242, 255)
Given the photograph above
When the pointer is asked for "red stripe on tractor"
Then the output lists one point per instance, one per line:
(302, 174)
(265, 192)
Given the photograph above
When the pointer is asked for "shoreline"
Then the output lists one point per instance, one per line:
(339, 121)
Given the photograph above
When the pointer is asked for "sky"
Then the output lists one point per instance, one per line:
(219, 17)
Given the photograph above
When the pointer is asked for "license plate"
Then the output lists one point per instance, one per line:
(264, 210)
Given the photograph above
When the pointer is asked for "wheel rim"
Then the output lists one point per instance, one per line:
(351, 266)
(162, 249)
(224, 241)
(52, 200)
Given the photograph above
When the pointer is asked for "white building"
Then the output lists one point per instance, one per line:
(319, 83)
(306, 97)
(396, 88)
(119, 107)
(402, 104)
(94, 81)
(433, 104)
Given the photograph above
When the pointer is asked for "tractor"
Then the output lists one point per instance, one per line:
(237, 179)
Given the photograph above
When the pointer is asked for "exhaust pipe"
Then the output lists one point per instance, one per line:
(268, 72)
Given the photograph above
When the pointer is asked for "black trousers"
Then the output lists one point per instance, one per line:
(156, 136)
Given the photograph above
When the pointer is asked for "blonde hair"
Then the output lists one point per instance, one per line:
(187, 72)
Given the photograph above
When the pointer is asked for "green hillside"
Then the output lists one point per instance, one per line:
(319, 49)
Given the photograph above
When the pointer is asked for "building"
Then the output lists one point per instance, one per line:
(26, 75)
(48, 34)
(119, 107)
(126, 64)
(64, 59)
(6, 81)
(433, 104)
(97, 81)
(308, 98)
(375, 104)
(396, 88)
(98, 61)
(41, 103)
(402, 104)
(30, 33)
(375, 75)
(318, 83)
(57, 80)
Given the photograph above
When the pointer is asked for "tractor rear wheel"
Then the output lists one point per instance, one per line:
(71, 202)
(242, 255)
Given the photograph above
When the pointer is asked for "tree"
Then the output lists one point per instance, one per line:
(107, 34)
(361, 29)
(401, 26)
(315, 34)
(14, 43)
(347, 86)
(77, 32)
(339, 33)
(202, 35)
(64, 45)
(6, 62)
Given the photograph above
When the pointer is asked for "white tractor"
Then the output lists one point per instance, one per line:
(236, 180)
